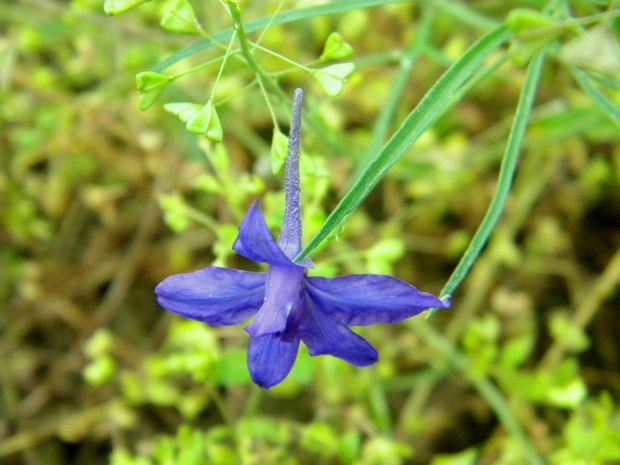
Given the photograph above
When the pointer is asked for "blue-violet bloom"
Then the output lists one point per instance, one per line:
(289, 305)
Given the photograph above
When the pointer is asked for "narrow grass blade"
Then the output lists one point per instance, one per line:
(506, 174)
(415, 124)
(407, 62)
(604, 103)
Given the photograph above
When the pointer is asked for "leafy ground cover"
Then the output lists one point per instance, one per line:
(468, 148)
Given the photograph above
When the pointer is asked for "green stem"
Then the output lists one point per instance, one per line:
(507, 170)
(219, 74)
(271, 20)
(264, 81)
(245, 45)
(196, 68)
(281, 57)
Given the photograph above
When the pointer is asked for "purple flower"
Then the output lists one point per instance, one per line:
(289, 305)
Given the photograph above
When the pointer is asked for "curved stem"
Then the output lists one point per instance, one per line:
(219, 74)
(507, 171)
(281, 57)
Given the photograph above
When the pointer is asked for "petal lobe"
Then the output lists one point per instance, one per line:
(366, 299)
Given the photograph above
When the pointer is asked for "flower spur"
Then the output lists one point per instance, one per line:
(289, 305)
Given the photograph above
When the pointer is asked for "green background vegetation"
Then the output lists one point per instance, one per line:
(100, 201)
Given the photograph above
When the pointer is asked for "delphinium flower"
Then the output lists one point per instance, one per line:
(290, 306)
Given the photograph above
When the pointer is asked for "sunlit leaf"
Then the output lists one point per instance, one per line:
(180, 18)
(206, 122)
(597, 49)
(151, 85)
(332, 78)
(336, 48)
(521, 53)
(175, 213)
(569, 396)
(184, 110)
(533, 32)
(529, 24)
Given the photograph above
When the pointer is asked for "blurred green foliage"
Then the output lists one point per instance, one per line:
(100, 201)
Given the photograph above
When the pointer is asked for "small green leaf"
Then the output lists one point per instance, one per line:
(114, 7)
(533, 30)
(206, 122)
(100, 371)
(389, 249)
(336, 48)
(164, 450)
(180, 18)
(99, 344)
(151, 85)
(521, 53)
(320, 438)
(184, 110)
(529, 24)
(175, 215)
(569, 396)
(279, 146)
(349, 447)
(516, 350)
(332, 78)
(568, 334)
(597, 49)
(208, 183)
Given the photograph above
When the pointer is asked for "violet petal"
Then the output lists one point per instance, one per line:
(216, 296)
(325, 336)
(256, 242)
(283, 291)
(270, 360)
(366, 299)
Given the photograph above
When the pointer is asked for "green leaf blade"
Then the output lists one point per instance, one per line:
(420, 119)
(507, 170)
(604, 103)
(184, 110)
